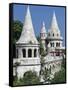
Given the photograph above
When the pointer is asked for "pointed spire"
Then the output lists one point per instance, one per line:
(54, 24)
(28, 11)
(28, 20)
(43, 29)
(28, 15)
(27, 34)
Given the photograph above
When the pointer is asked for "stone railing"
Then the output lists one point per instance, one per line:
(27, 61)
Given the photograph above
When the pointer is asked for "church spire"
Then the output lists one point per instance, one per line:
(54, 24)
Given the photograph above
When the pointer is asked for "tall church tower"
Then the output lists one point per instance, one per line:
(43, 35)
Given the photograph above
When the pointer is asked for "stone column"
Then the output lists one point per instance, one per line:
(32, 53)
(26, 52)
(21, 53)
(61, 44)
(37, 53)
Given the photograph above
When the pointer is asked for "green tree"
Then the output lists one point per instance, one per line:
(16, 29)
(64, 62)
(38, 38)
(41, 48)
(59, 77)
(16, 32)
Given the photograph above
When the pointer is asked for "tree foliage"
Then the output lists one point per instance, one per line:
(41, 48)
(38, 38)
(59, 77)
(16, 32)
(17, 28)
(64, 62)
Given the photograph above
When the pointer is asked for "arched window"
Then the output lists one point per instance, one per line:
(56, 44)
(53, 44)
(35, 52)
(24, 52)
(59, 44)
(29, 53)
(53, 34)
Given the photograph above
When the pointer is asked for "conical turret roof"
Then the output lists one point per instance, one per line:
(54, 31)
(54, 25)
(27, 34)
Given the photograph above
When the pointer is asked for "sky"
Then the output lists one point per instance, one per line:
(40, 14)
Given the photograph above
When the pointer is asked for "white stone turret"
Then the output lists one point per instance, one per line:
(27, 38)
(27, 48)
(43, 35)
(54, 38)
(27, 34)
